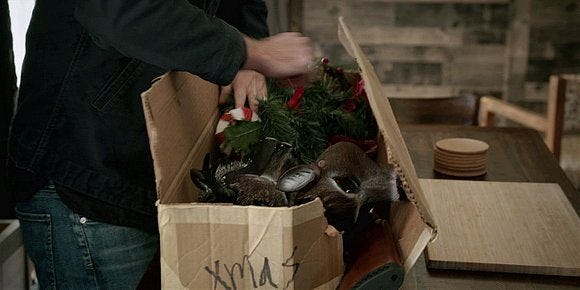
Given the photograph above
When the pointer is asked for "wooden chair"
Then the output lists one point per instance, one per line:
(551, 123)
(457, 110)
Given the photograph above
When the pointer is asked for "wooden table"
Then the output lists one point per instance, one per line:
(515, 154)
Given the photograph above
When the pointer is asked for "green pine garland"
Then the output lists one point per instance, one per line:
(320, 114)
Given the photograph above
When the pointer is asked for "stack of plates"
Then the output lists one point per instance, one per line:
(460, 157)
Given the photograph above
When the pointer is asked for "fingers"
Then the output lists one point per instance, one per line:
(224, 92)
(249, 86)
(258, 91)
(294, 55)
(291, 34)
(280, 56)
(240, 96)
(262, 89)
(252, 96)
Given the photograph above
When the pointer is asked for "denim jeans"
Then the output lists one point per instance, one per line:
(73, 252)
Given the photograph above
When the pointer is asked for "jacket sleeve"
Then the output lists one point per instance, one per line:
(171, 34)
(248, 16)
(254, 19)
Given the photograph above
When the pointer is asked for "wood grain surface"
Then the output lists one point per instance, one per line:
(518, 227)
(462, 146)
(515, 154)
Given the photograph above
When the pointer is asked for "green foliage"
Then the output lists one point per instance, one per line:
(311, 142)
(241, 136)
(327, 108)
(277, 121)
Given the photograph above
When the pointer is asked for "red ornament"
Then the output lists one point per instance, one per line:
(359, 89)
(325, 60)
(294, 101)
(247, 113)
(230, 118)
(349, 106)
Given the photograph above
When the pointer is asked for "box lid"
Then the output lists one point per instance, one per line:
(412, 234)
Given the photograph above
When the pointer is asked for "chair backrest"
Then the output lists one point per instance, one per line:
(458, 110)
(572, 104)
(551, 123)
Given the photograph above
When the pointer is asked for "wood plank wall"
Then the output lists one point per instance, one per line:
(420, 48)
(429, 48)
(554, 43)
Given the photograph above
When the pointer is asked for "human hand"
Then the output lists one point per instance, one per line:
(298, 81)
(247, 85)
(282, 56)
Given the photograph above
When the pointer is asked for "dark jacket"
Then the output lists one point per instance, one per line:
(79, 119)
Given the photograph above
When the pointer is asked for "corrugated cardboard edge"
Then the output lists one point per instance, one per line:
(168, 148)
(398, 155)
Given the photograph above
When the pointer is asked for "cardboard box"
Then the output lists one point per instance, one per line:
(12, 256)
(214, 246)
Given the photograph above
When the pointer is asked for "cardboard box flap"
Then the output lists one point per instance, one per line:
(412, 235)
(180, 122)
(284, 247)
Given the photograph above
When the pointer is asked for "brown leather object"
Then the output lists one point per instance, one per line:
(376, 263)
